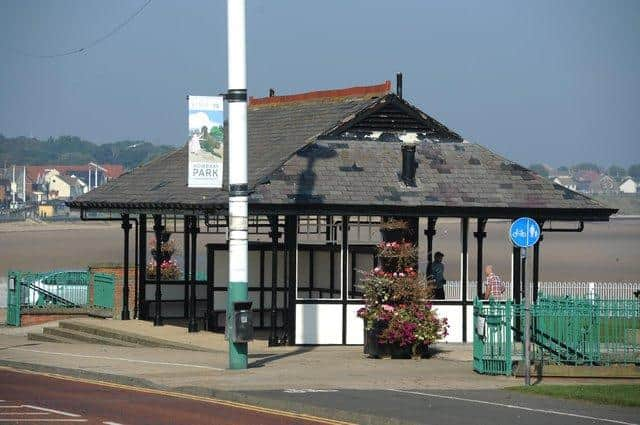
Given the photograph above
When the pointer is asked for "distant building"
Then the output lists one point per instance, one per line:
(566, 181)
(106, 172)
(61, 186)
(629, 186)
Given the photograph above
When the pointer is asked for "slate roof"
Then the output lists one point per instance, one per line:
(293, 169)
(449, 176)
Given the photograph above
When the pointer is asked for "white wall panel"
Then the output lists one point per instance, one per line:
(318, 324)
(355, 325)
(454, 315)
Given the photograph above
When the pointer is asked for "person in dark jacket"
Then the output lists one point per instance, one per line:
(437, 270)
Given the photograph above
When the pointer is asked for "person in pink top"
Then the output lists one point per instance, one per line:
(493, 286)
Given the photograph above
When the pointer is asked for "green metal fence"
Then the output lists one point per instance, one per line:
(53, 289)
(586, 331)
(103, 290)
(565, 330)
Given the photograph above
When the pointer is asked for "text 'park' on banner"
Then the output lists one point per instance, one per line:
(206, 141)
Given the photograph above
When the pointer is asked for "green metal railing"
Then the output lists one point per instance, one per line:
(103, 290)
(565, 330)
(586, 331)
(54, 289)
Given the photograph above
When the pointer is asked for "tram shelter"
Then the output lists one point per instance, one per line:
(324, 169)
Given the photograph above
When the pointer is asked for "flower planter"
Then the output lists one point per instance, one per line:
(388, 235)
(398, 352)
(389, 264)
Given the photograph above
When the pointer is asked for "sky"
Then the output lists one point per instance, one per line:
(548, 81)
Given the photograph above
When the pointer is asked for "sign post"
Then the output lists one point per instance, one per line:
(524, 233)
(238, 187)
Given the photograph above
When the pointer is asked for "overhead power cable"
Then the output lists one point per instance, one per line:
(88, 46)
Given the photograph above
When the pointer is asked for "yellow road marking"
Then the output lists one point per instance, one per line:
(188, 397)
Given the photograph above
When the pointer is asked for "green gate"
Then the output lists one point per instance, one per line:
(492, 338)
(103, 290)
(13, 299)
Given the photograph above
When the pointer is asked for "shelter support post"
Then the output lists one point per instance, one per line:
(274, 234)
(536, 268)
(136, 283)
(291, 246)
(193, 229)
(480, 234)
(344, 257)
(142, 271)
(210, 321)
(126, 226)
(464, 262)
(158, 228)
(186, 226)
(430, 232)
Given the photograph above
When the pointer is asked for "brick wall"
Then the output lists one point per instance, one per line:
(28, 319)
(117, 271)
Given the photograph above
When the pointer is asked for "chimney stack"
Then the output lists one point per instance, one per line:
(399, 84)
(409, 164)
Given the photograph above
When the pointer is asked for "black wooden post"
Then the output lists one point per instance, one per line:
(142, 258)
(275, 235)
(430, 232)
(126, 226)
(211, 318)
(345, 273)
(193, 324)
(291, 237)
(186, 229)
(480, 234)
(158, 229)
(464, 277)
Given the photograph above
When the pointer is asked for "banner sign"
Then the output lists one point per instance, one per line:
(206, 138)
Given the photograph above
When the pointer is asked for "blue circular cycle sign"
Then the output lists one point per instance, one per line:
(524, 232)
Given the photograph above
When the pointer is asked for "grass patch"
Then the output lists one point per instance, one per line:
(619, 395)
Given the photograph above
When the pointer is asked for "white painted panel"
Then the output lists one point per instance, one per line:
(355, 325)
(454, 315)
(470, 332)
(319, 324)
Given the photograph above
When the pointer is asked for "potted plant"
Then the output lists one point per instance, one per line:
(169, 270)
(393, 229)
(399, 319)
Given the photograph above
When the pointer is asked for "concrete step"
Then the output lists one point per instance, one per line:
(34, 336)
(79, 336)
(126, 337)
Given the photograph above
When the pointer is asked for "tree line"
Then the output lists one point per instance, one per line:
(71, 150)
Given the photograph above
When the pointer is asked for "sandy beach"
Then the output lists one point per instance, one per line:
(602, 252)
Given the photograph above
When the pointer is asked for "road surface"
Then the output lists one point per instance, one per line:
(46, 399)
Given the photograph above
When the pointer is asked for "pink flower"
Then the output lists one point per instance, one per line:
(387, 307)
